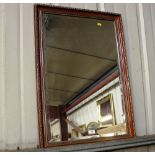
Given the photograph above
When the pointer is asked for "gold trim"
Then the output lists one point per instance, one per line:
(102, 101)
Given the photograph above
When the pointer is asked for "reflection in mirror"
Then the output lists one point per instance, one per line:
(82, 80)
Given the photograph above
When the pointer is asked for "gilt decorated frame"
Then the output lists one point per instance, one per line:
(109, 98)
(122, 62)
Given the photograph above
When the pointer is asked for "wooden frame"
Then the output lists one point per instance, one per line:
(54, 122)
(116, 18)
(93, 90)
(83, 128)
(103, 101)
(74, 133)
(107, 80)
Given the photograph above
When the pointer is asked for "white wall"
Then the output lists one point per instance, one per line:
(18, 107)
(90, 112)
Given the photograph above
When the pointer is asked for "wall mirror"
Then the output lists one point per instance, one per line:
(83, 85)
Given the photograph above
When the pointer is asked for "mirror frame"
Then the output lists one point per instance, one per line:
(122, 63)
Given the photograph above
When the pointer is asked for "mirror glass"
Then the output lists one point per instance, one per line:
(83, 89)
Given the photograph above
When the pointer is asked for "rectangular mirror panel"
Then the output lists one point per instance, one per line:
(82, 85)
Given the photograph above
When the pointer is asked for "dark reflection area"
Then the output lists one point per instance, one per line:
(83, 89)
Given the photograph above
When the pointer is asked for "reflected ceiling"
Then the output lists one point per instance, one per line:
(77, 52)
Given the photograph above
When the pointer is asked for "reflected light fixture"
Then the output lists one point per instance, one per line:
(99, 24)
